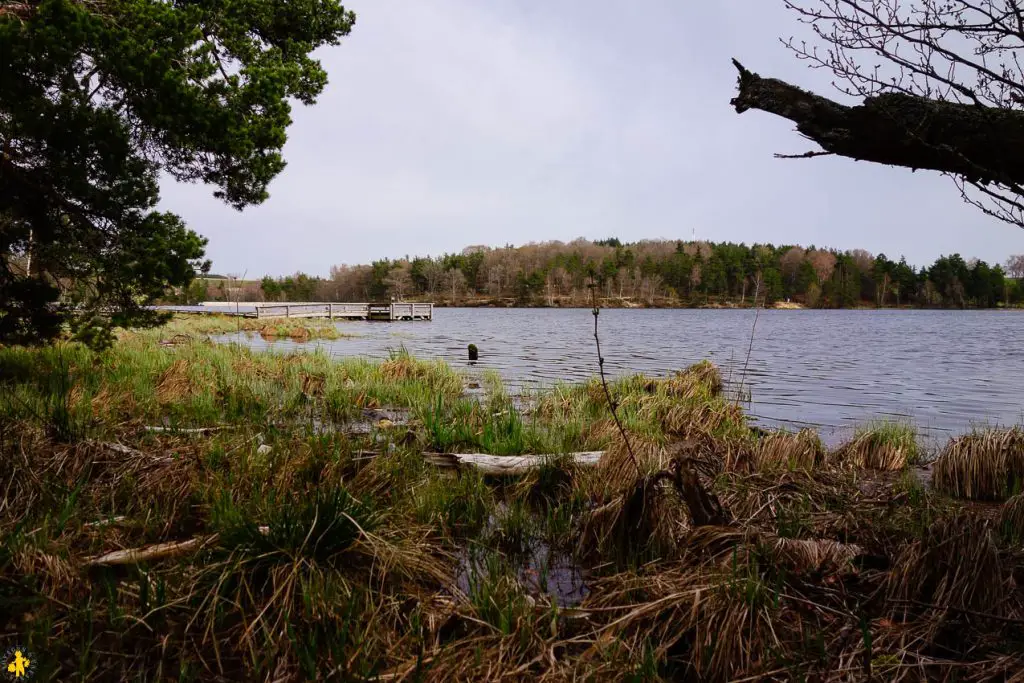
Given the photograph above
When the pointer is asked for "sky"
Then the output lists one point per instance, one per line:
(449, 123)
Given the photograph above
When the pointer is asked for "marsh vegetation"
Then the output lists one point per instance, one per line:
(175, 509)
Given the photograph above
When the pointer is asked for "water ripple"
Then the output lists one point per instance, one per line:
(946, 370)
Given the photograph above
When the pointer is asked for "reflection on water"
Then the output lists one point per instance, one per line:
(945, 370)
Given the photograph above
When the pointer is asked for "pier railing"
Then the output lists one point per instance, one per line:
(360, 311)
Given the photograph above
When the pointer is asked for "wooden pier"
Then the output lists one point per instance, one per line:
(390, 312)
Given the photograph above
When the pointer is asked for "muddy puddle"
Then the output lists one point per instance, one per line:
(541, 570)
(377, 418)
(371, 420)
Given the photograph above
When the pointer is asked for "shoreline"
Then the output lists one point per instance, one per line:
(612, 305)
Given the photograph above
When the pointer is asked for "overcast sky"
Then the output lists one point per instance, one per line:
(456, 122)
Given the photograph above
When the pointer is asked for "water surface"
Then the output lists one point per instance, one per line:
(944, 370)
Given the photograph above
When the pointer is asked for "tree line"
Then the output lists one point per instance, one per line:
(652, 273)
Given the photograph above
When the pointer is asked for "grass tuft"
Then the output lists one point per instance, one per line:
(1011, 520)
(984, 465)
(888, 446)
(780, 450)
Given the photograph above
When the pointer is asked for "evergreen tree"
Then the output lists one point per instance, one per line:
(97, 100)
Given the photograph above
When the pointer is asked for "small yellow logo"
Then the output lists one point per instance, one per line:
(19, 664)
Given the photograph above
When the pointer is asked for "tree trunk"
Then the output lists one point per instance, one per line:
(982, 144)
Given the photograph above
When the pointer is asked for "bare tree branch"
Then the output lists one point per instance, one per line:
(805, 155)
(941, 82)
(982, 145)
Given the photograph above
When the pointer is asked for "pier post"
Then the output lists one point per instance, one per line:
(287, 311)
(257, 312)
(330, 311)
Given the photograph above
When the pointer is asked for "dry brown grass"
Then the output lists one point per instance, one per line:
(779, 451)
(737, 602)
(983, 465)
(713, 624)
(270, 333)
(759, 499)
(617, 465)
(313, 385)
(813, 555)
(403, 368)
(699, 381)
(1011, 518)
(645, 518)
(553, 483)
(685, 420)
(174, 383)
(955, 566)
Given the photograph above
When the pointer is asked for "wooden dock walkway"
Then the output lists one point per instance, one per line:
(393, 311)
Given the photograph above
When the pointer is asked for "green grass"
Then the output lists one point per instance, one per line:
(299, 329)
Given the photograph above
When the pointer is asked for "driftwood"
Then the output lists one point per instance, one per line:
(104, 522)
(135, 453)
(159, 551)
(981, 144)
(122, 449)
(187, 430)
(507, 465)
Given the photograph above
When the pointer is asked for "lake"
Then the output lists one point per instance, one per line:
(945, 371)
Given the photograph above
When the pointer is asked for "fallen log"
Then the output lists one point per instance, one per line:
(507, 465)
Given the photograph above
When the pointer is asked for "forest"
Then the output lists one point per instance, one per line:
(661, 273)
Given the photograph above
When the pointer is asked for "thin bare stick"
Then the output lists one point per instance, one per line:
(104, 522)
(962, 610)
(805, 155)
(607, 392)
(750, 347)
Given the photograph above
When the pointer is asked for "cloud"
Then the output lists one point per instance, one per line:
(457, 122)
